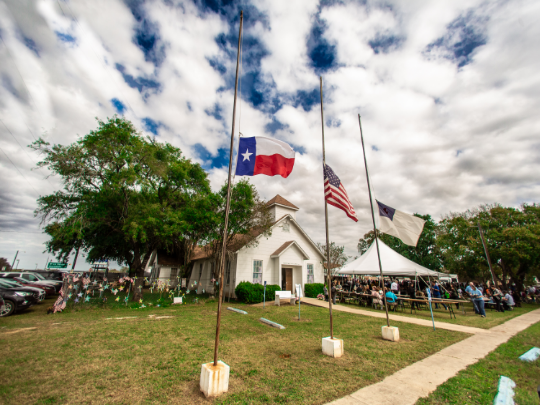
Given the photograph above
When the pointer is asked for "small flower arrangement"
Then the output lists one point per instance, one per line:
(320, 297)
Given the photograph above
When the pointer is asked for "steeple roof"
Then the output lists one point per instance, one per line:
(279, 200)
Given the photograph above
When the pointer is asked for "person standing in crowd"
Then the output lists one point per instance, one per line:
(497, 299)
(454, 295)
(394, 287)
(516, 297)
(334, 291)
(412, 293)
(478, 301)
(325, 292)
(436, 293)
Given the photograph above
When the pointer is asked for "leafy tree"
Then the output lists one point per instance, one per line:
(337, 256)
(426, 253)
(512, 238)
(4, 264)
(123, 196)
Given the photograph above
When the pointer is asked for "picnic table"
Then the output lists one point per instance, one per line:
(448, 302)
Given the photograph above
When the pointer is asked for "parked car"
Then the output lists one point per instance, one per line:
(15, 300)
(57, 275)
(33, 277)
(39, 293)
(49, 289)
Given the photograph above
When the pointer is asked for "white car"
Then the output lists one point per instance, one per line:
(33, 277)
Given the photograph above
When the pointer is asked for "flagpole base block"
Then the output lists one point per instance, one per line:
(332, 347)
(214, 379)
(390, 333)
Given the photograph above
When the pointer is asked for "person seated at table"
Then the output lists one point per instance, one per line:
(390, 296)
(508, 301)
(376, 297)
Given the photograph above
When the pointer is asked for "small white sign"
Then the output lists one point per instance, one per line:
(299, 291)
(177, 300)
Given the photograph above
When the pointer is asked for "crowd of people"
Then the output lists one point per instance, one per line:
(479, 293)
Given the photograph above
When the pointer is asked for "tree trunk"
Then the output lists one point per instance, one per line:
(138, 272)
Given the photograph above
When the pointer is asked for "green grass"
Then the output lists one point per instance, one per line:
(81, 356)
(478, 383)
(493, 318)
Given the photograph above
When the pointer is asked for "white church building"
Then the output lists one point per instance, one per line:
(287, 257)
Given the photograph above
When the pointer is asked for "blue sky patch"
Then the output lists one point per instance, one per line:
(385, 43)
(119, 106)
(147, 36)
(463, 36)
(65, 37)
(31, 44)
(307, 99)
(150, 125)
(274, 126)
(321, 53)
(144, 85)
(215, 112)
(211, 161)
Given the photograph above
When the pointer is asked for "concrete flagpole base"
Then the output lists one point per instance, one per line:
(390, 333)
(332, 347)
(214, 379)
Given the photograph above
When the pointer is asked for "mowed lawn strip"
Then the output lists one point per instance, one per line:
(478, 383)
(89, 359)
(493, 318)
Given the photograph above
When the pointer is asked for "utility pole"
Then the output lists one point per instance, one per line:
(16, 254)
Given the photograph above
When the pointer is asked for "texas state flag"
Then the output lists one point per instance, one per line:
(260, 155)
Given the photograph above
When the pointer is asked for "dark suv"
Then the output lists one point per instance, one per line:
(15, 300)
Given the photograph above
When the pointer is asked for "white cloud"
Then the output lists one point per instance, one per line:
(447, 138)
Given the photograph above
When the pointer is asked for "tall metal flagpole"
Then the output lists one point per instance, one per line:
(487, 254)
(373, 218)
(328, 264)
(228, 204)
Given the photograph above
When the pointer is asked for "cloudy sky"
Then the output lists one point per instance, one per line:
(448, 91)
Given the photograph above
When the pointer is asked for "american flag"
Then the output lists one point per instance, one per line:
(335, 193)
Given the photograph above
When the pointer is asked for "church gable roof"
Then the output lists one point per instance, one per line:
(283, 248)
(279, 200)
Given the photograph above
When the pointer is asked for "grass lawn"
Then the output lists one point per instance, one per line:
(84, 357)
(493, 318)
(478, 383)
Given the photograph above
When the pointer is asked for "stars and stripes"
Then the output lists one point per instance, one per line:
(335, 193)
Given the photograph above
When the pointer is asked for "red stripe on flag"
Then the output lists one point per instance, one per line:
(346, 211)
(273, 165)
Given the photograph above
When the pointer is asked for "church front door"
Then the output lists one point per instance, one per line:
(286, 280)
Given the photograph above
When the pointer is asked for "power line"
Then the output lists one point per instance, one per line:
(19, 170)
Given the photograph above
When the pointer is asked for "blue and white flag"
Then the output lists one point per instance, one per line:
(406, 227)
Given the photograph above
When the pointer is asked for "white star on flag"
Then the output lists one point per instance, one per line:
(246, 155)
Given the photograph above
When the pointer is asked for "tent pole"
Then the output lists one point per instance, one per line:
(374, 226)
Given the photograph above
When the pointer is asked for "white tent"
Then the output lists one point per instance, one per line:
(393, 264)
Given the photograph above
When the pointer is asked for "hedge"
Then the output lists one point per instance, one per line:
(314, 289)
(254, 293)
